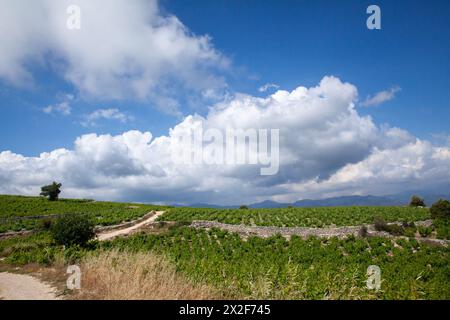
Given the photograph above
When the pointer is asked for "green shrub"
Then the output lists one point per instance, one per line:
(243, 207)
(416, 201)
(442, 227)
(396, 230)
(425, 231)
(440, 209)
(410, 232)
(73, 229)
(380, 224)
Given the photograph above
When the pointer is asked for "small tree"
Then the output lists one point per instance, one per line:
(51, 191)
(416, 201)
(73, 229)
(243, 207)
(440, 209)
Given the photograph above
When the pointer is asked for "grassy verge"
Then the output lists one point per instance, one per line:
(125, 275)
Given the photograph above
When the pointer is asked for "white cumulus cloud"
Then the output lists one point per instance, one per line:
(326, 149)
(123, 50)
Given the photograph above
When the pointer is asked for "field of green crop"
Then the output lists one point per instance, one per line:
(275, 268)
(272, 268)
(298, 217)
(256, 268)
(13, 210)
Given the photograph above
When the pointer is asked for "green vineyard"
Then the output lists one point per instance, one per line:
(271, 268)
(18, 212)
(298, 217)
(275, 268)
(251, 267)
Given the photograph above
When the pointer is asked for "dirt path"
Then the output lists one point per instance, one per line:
(108, 235)
(24, 287)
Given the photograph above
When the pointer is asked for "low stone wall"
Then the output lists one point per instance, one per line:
(339, 232)
(48, 216)
(6, 235)
(263, 231)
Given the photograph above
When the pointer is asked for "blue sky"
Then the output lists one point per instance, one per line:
(287, 43)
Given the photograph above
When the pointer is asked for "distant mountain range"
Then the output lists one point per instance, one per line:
(392, 200)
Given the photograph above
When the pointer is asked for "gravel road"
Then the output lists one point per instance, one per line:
(24, 287)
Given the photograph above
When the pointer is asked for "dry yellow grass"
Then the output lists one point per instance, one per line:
(114, 275)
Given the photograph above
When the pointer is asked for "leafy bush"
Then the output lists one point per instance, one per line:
(416, 201)
(425, 231)
(73, 229)
(243, 207)
(442, 227)
(395, 230)
(410, 232)
(440, 209)
(380, 224)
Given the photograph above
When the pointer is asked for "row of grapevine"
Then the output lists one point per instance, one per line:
(301, 269)
(292, 217)
(14, 208)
